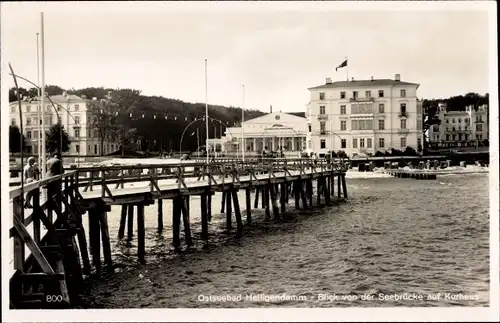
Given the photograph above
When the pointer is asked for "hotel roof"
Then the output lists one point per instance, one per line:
(362, 83)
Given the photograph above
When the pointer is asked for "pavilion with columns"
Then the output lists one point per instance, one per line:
(276, 131)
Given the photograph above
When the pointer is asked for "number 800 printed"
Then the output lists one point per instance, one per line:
(53, 298)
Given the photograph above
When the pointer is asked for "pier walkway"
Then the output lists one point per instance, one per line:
(49, 269)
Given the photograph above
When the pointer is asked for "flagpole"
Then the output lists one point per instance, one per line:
(38, 101)
(206, 108)
(242, 121)
(347, 68)
(42, 99)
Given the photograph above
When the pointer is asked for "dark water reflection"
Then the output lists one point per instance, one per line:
(393, 237)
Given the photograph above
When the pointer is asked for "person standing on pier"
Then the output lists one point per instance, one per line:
(54, 167)
(29, 175)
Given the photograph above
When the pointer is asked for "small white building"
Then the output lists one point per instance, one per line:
(467, 128)
(274, 131)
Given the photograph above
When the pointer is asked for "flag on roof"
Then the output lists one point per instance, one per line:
(344, 64)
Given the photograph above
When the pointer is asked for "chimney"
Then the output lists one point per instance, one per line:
(372, 78)
(328, 80)
(397, 77)
(271, 108)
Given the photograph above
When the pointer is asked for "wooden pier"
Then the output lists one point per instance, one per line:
(52, 275)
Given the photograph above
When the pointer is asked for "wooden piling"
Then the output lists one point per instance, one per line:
(36, 216)
(160, 216)
(237, 213)
(209, 205)
(176, 221)
(130, 223)
(185, 220)
(229, 225)
(256, 202)
(223, 202)
(310, 191)
(248, 206)
(95, 239)
(265, 202)
(123, 220)
(265, 192)
(344, 186)
(296, 193)
(204, 217)
(338, 186)
(272, 191)
(284, 193)
(326, 190)
(106, 244)
(141, 247)
(319, 185)
(302, 194)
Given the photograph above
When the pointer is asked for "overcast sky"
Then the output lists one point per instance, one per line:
(160, 49)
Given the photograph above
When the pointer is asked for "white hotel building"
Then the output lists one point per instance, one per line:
(362, 117)
(75, 116)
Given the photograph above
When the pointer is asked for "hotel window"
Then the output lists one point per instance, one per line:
(403, 93)
(361, 124)
(381, 93)
(453, 128)
(95, 149)
(35, 134)
(322, 109)
(466, 128)
(354, 143)
(28, 108)
(466, 137)
(403, 123)
(419, 124)
(403, 142)
(342, 109)
(13, 109)
(323, 143)
(28, 121)
(419, 108)
(354, 94)
(459, 120)
(321, 95)
(361, 108)
(308, 126)
(47, 108)
(77, 133)
(96, 133)
(459, 128)
(454, 137)
(419, 142)
(77, 148)
(466, 120)
(447, 137)
(368, 94)
(381, 142)
(381, 108)
(381, 125)
(403, 107)
(343, 143)
(59, 107)
(322, 127)
(343, 125)
(77, 120)
(77, 107)
(362, 143)
(479, 127)
(447, 121)
(369, 143)
(28, 134)
(342, 95)
(48, 121)
(453, 120)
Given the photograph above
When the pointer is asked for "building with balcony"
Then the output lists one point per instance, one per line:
(361, 117)
(75, 116)
(467, 128)
(275, 131)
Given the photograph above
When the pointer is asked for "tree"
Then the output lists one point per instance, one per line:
(15, 139)
(53, 90)
(13, 96)
(54, 136)
(430, 118)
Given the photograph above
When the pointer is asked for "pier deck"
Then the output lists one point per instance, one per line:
(60, 259)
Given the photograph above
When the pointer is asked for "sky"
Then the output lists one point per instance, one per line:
(275, 53)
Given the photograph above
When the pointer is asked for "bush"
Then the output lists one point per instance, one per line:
(379, 153)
